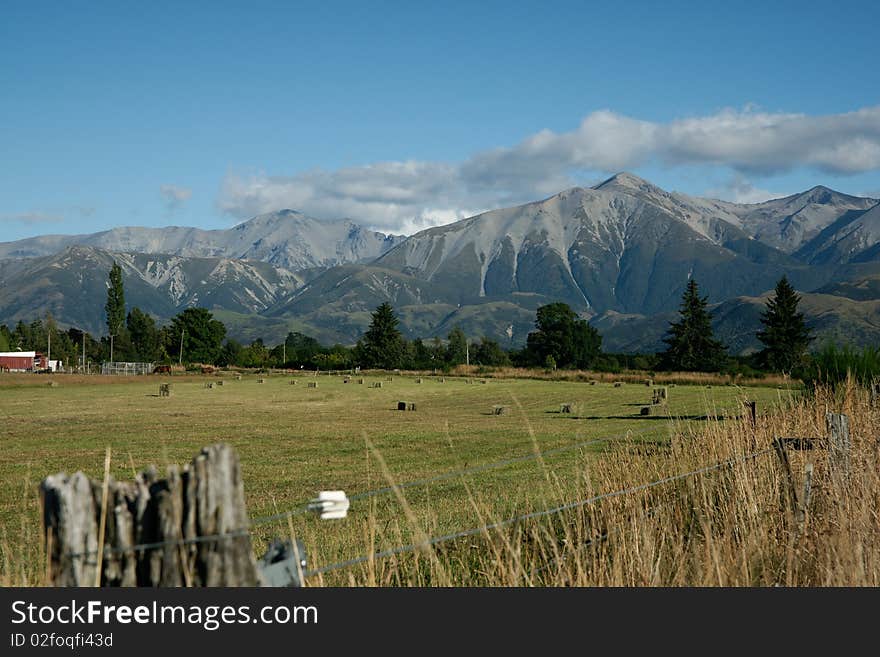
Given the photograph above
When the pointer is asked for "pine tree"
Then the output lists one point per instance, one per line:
(785, 335)
(691, 345)
(382, 345)
(115, 307)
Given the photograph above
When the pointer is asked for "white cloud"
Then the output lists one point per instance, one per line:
(404, 196)
(173, 196)
(740, 190)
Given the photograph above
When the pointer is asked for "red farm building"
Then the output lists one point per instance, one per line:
(22, 361)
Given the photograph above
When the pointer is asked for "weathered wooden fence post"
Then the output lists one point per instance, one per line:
(190, 528)
(752, 407)
(839, 443)
(791, 490)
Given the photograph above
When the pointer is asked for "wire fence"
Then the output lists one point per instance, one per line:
(412, 547)
(484, 529)
(445, 476)
(305, 508)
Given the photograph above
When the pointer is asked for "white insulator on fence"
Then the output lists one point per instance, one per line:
(331, 504)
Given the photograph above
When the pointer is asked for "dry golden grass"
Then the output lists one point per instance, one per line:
(729, 526)
(628, 376)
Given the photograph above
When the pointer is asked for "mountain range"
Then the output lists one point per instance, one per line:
(620, 253)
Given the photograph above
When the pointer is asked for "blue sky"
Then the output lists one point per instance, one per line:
(403, 115)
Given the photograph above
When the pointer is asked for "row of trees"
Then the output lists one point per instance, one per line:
(561, 339)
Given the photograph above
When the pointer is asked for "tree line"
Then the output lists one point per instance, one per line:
(561, 339)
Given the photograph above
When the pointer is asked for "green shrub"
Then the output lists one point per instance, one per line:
(831, 366)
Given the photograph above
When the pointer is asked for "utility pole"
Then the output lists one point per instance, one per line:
(49, 357)
(84, 350)
(180, 355)
(111, 350)
(467, 352)
(284, 350)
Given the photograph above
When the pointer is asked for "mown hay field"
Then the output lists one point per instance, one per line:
(294, 440)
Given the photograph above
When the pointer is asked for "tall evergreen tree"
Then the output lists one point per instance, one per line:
(115, 306)
(691, 344)
(382, 345)
(785, 335)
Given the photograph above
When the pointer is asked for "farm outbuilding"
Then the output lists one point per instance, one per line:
(21, 361)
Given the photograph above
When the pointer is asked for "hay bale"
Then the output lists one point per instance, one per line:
(442, 380)
(419, 380)
(220, 383)
(209, 385)
(649, 382)
(261, 380)
(483, 381)
(593, 382)
(500, 410)
(313, 384)
(390, 378)
(238, 377)
(565, 408)
(406, 406)
(164, 389)
(377, 384)
(617, 384)
(660, 396)
(646, 410)
(292, 382)
(360, 381)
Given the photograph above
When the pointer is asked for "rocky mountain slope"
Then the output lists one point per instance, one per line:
(286, 239)
(620, 253)
(72, 285)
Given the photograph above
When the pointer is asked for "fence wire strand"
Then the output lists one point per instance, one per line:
(483, 529)
(304, 507)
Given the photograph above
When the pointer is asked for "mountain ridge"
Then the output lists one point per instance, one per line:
(623, 248)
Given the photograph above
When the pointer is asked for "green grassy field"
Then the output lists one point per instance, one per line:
(294, 441)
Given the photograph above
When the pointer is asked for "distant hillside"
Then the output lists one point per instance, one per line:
(72, 285)
(736, 321)
(619, 253)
